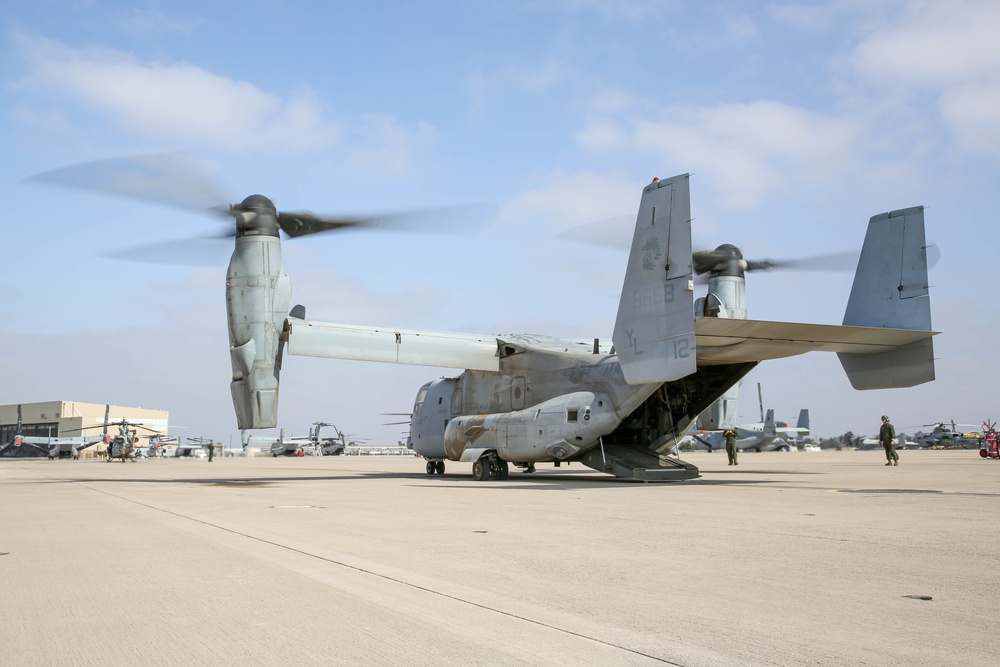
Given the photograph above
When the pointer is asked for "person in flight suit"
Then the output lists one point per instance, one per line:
(730, 436)
(211, 451)
(887, 437)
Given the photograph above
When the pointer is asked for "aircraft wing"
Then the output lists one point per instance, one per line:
(391, 345)
(725, 341)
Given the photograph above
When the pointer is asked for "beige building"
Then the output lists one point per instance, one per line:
(72, 419)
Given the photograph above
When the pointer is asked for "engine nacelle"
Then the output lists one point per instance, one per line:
(257, 296)
(556, 430)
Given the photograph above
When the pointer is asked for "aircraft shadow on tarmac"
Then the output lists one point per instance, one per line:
(459, 481)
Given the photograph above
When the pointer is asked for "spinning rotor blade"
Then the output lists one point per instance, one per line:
(706, 261)
(161, 178)
(456, 220)
(176, 180)
(840, 261)
(207, 251)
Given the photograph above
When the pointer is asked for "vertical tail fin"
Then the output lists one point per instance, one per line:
(803, 421)
(891, 291)
(654, 331)
(769, 428)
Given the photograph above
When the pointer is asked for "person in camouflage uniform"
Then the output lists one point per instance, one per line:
(887, 437)
(730, 435)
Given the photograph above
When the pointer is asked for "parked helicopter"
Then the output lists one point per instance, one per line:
(57, 447)
(943, 435)
(527, 399)
(124, 445)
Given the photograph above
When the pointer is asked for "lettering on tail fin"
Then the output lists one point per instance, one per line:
(654, 331)
(891, 291)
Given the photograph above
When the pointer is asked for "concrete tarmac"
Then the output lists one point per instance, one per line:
(793, 558)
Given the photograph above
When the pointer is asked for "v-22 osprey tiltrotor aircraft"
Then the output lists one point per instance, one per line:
(528, 399)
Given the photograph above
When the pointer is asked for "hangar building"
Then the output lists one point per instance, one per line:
(67, 418)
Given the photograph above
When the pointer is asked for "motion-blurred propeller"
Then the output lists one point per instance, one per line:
(174, 179)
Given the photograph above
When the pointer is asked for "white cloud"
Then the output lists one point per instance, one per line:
(972, 113)
(750, 149)
(602, 135)
(933, 44)
(943, 49)
(176, 102)
(535, 77)
(388, 148)
(566, 201)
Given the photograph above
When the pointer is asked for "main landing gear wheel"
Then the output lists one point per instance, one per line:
(499, 469)
(431, 467)
(490, 467)
(439, 467)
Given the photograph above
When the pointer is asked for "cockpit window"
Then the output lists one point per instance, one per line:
(421, 395)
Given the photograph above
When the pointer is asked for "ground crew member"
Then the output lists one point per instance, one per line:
(887, 436)
(730, 436)
(211, 451)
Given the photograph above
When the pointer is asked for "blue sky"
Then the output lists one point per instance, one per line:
(798, 122)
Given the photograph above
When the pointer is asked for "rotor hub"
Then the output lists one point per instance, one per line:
(255, 216)
(725, 260)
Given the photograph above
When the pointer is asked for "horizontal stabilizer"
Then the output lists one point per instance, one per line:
(723, 341)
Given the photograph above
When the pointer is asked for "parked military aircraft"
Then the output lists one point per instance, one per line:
(326, 444)
(760, 436)
(57, 447)
(123, 446)
(943, 435)
(527, 399)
